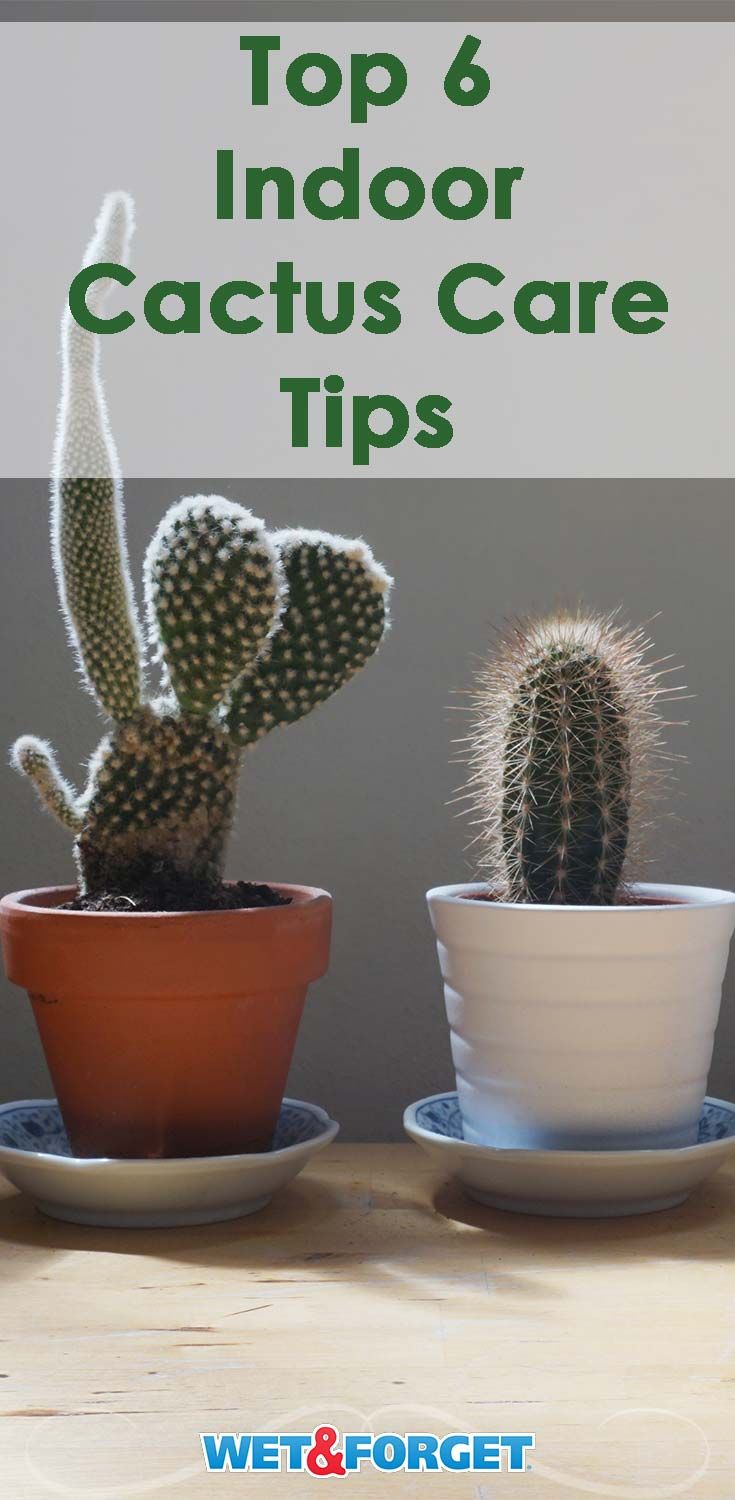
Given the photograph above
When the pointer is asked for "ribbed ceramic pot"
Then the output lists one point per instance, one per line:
(581, 1027)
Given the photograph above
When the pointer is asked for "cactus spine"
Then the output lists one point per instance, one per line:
(566, 741)
(249, 630)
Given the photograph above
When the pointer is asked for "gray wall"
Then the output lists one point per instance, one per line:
(354, 798)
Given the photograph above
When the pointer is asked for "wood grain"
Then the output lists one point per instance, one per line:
(372, 1293)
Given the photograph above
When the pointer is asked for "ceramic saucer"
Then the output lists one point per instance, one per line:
(35, 1156)
(572, 1184)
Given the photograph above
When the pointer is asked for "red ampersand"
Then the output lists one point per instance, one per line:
(322, 1459)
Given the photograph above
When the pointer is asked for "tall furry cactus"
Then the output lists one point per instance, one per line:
(249, 630)
(565, 745)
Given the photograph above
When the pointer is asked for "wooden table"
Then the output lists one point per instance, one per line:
(370, 1293)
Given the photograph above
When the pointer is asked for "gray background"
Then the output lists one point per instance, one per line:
(354, 798)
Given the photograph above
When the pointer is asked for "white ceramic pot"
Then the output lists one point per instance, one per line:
(583, 1027)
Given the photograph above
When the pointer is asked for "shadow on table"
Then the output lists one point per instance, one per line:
(329, 1226)
(295, 1211)
(700, 1228)
(311, 1233)
(408, 1232)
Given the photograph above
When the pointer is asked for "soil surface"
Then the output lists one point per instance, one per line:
(159, 895)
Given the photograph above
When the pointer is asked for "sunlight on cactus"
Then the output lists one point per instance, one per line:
(566, 749)
(214, 589)
(249, 629)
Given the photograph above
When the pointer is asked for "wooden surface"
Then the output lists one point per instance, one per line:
(371, 1293)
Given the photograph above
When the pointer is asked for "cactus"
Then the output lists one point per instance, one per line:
(249, 630)
(565, 746)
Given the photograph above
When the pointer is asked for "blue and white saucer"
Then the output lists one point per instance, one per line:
(35, 1156)
(572, 1184)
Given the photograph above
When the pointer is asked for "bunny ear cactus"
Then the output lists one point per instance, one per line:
(565, 747)
(332, 624)
(249, 630)
(214, 590)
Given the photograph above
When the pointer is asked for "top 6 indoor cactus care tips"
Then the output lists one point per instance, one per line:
(473, 298)
(250, 630)
(582, 1005)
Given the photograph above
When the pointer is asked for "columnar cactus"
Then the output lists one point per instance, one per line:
(249, 630)
(566, 742)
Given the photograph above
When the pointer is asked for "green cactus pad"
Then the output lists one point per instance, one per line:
(95, 591)
(334, 620)
(214, 592)
(37, 760)
(162, 795)
(87, 514)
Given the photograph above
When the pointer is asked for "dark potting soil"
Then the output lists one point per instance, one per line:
(159, 894)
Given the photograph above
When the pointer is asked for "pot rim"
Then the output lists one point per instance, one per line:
(19, 903)
(671, 898)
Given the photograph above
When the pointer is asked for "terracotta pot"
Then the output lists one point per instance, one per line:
(167, 1034)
